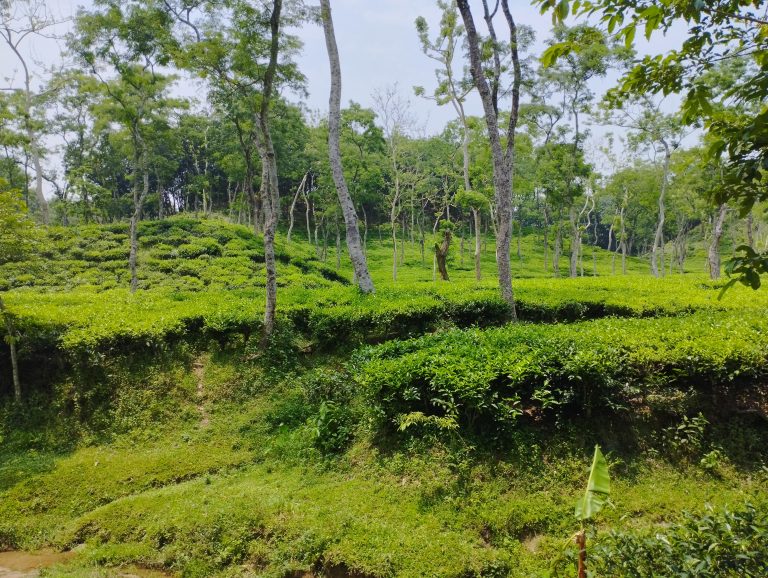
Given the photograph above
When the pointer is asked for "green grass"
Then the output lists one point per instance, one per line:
(158, 434)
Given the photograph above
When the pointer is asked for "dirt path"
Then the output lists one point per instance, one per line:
(29, 564)
(198, 370)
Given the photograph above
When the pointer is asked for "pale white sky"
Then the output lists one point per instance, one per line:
(378, 47)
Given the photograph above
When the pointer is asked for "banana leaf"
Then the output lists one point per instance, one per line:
(598, 488)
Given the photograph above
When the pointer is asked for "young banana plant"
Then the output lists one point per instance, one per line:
(593, 500)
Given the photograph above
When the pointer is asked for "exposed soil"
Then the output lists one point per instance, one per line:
(198, 370)
(28, 564)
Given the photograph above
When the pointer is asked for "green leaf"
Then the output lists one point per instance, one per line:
(598, 488)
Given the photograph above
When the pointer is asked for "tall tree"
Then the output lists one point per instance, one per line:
(356, 252)
(652, 130)
(269, 184)
(503, 157)
(123, 45)
(452, 88)
(717, 31)
(18, 21)
(396, 119)
(17, 236)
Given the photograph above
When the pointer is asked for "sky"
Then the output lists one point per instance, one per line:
(378, 47)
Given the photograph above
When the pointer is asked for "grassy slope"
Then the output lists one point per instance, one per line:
(251, 494)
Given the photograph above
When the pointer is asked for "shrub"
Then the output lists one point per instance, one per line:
(713, 544)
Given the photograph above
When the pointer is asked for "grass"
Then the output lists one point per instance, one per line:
(164, 443)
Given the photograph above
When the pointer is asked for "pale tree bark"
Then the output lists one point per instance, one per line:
(503, 159)
(658, 240)
(140, 192)
(299, 190)
(545, 234)
(714, 245)
(476, 219)
(269, 185)
(13, 37)
(750, 237)
(11, 339)
(441, 254)
(356, 253)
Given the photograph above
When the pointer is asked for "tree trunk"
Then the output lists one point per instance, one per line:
(503, 159)
(546, 238)
(575, 242)
(269, 185)
(558, 247)
(356, 253)
(338, 242)
(139, 194)
(476, 217)
(441, 254)
(11, 338)
(750, 238)
(581, 542)
(306, 216)
(658, 239)
(714, 246)
(293, 205)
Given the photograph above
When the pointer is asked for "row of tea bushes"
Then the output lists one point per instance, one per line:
(487, 380)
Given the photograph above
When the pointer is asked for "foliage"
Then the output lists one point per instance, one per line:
(715, 543)
(496, 380)
(598, 488)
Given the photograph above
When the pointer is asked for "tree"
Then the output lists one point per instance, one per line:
(591, 55)
(452, 89)
(126, 41)
(19, 20)
(503, 157)
(718, 31)
(356, 253)
(396, 119)
(652, 130)
(17, 236)
(242, 63)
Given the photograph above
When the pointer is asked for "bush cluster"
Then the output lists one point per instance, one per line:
(488, 380)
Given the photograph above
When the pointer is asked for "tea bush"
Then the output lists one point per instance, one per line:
(714, 544)
(488, 380)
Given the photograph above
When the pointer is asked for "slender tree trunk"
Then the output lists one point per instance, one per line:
(546, 238)
(750, 238)
(269, 184)
(11, 339)
(658, 240)
(293, 205)
(306, 216)
(575, 242)
(139, 194)
(714, 246)
(503, 160)
(558, 246)
(356, 253)
(393, 224)
(402, 238)
(441, 254)
(581, 542)
(476, 217)
(519, 230)
(338, 242)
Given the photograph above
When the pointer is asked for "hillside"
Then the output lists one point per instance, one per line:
(411, 433)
